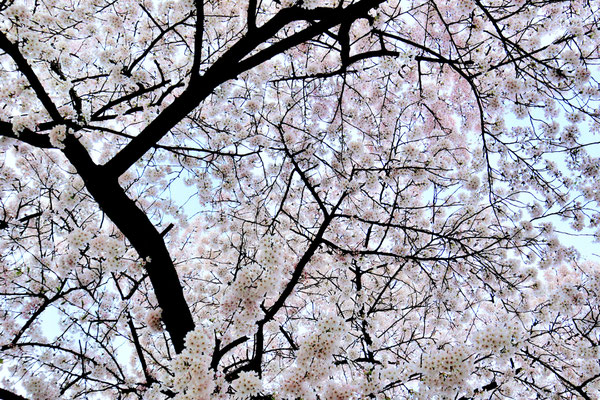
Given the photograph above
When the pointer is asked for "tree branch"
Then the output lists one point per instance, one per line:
(199, 37)
(142, 235)
(26, 136)
(13, 51)
(7, 395)
(230, 65)
(251, 15)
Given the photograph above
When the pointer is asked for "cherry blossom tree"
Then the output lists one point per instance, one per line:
(312, 199)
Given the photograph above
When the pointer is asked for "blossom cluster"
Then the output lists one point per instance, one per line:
(247, 384)
(153, 319)
(40, 389)
(447, 368)
(193, 377)
(496, 338)
(79, 238)
(378, 228)
(313, 362)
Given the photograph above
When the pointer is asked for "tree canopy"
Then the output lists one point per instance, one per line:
(299, 199)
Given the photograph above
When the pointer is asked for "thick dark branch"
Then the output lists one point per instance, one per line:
(344, 40)
(7, 395)
(26, 136)
(13, 51)
(231, 65)
(143, 236)
(251, 15)
(158, 128)
(199, 37)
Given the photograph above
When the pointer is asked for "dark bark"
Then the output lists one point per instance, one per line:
(102, 181)
(232, 63)
(7, 395)
(142, 235)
